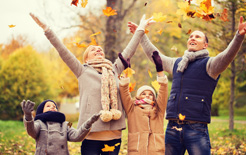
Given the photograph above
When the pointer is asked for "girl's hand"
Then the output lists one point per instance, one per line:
(39, 21)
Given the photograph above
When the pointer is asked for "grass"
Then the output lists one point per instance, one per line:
(14, 139)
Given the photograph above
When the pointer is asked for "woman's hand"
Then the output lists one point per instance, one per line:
(39, 21)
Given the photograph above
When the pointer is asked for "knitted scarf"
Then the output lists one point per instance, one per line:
(51, 116)
(108, 83)
(144, 101)
(189, 57)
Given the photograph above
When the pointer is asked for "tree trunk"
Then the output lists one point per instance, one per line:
(233, 71)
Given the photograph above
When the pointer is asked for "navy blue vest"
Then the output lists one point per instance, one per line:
(191, 93)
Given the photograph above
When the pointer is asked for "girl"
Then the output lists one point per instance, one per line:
(145, 114)
(49, 128)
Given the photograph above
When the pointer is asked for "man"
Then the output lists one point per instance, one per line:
(195, 76)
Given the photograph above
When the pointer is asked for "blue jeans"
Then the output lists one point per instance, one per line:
(94, 147)
(192, 137)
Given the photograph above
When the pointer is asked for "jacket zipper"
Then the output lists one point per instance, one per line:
(181, 86)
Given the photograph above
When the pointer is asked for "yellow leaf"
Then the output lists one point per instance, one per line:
(146, 31)
(150, 74)
(84, 3)
(93, 42)
(95, 34)
(184, 9)
(156, 85)
(81, 45)
(117, 144)
(109, 12)
(11, 26)
(160, 31)
(159, 17)
(108, 148)
(132, 86)
(181, 117)
(128, 72)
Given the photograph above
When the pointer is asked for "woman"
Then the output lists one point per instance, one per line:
(98, 79)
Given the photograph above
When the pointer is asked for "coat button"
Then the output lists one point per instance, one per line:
(186, 98)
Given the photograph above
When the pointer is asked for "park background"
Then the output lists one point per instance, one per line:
(30, 68)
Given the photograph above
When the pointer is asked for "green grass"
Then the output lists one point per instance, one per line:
(14, 139)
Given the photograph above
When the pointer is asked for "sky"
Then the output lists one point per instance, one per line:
(55, 13)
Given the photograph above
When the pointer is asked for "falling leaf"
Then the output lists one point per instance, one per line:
(109, 12)
(159, 17)
(84, 3)
(75, 2)
(117, 144)
(169, 21)
(205, 11)
(70, 124)
(95, 34)
(184, 10)
(132, 86)
(181, 117)
(189, 31)
(114, 30)
(81, 45)
(145, 4)
(108, 148)
(128, 72)
(224, 15)
(150, 74)
(160, 31)
(178, 129)
(11, 26)
(93, 42)
(180, 26)
(156, 85)
(146, 31)
(191, 14)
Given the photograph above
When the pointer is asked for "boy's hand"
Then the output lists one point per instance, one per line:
(27, 107)
(91, 120)
(158, 62)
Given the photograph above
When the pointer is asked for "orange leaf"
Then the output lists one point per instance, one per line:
(181, 117)
(150, 75)
(109, 12)
(81, 45)
(84, 3)
(224, 15)
(131, 88)
(75, 2)
(11, 26)
(128, 72)
(160, 31)
(93, 42)
(95, 34)
(108, 148)
(146, 31)
(189, 31)
(169, 21)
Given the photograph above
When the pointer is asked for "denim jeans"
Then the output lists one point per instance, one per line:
(191, 137)
(94, 147)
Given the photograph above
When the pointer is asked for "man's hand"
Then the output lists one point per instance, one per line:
(242, 27)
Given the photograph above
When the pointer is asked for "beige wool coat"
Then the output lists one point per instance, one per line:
(145, 126)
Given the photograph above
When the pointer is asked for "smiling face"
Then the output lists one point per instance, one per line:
(197, 41)
(49, 106)
(95, 52)
(147, 94)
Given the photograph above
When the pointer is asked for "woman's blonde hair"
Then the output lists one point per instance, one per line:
(85, 55)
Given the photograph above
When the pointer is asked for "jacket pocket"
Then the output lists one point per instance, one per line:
(159, 140)
(133, 141)
(194, 105)
(171, 103)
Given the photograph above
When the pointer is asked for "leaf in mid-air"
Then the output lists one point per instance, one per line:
(150, 74)
(84, 3)
(11, 26)
(128, 72)
(159, 17)
(75, 2)
(156, 85)
(224, 15)
(132, 86)
(181, 117)
(109, 11)
(95, 34)
(81, 45)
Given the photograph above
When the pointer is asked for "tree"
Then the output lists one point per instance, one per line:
(23, 76)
